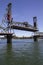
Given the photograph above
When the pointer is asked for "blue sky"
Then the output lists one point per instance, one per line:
(24, 10)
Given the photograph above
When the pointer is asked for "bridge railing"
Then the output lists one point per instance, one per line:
(38, 33)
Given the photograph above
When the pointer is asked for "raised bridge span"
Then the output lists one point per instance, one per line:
(22, 26)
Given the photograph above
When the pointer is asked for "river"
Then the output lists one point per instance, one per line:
(21, 52)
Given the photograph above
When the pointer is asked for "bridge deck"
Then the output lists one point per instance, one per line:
(23, 28)
(6, 33)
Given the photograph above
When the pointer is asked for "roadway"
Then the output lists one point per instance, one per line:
(23, 28)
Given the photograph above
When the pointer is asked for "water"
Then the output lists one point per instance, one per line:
(21, 52)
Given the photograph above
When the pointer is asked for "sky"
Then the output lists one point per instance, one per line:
(24, 10)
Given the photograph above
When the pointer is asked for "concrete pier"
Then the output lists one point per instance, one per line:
(9, 38)
(35, 38)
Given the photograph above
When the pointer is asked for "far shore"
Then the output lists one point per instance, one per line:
(16, 37)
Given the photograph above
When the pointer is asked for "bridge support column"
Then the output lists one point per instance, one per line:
(35, 38)
(9, 38)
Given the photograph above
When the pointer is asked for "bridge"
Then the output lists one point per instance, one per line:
(21, 26)
(38, 34)
(8, 24)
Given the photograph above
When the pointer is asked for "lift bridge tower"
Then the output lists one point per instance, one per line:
(5, 29)
(35, 26)
(35, 22)
(7, 20)
(9, 16)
